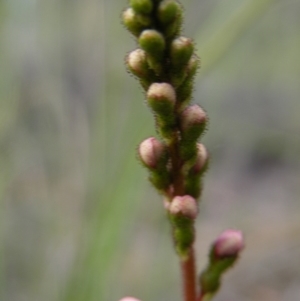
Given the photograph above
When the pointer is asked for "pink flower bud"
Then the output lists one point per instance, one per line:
(193, 65)
(229, 243)
(161, 98)
(151, 152)
(129, 299)
(193, 116)
(202, 157)
(137, 62)
(161, 92)
(134, 22)
(184, 205)
(181, 51)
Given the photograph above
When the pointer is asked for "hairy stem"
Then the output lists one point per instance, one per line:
(177, 177)
(188, 266)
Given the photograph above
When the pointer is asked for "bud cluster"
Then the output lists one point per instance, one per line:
(165, 64)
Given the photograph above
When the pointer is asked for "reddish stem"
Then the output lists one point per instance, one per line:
(200, 297)
(188, 269)
(188, 266)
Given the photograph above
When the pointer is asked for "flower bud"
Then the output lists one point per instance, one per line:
(182, 49)
(193, 122)
(184, 92)
(229, 243)
(185, 206)
(134, 22)
(168, 11)
(142, 6)
(153, 43)
(161, 98)
(137, 62)
(129, 299)
(202, 158)
(223, 255)
(152, 152)
(192, 116)
(192, 66)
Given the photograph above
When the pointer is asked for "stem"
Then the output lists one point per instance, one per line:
(200, 297)
(188, 268)
(204, 297)
(178, 181)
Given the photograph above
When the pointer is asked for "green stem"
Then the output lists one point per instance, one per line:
(177, 177)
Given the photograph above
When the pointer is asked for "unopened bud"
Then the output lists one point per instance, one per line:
(202, 158)
(184, 92)
(193, 122)
(152, 152)
(192, 116)
(168, 11)
(185, 206)
(229, 243)
(182, 49)
(135, 22)
(193, 66)
(137, 62)
(142, 6)
(129, 299)
(153, 43)
(161, 98)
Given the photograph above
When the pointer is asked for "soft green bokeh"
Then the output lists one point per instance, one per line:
(79, 221)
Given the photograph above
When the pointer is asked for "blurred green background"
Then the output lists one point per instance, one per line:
(79, 221)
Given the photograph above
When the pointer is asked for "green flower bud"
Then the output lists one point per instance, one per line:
(182, 49)
(169, 11)
(161, 98)
(137, 63)
(153, 43)
(201, 160)
(153, 154)
(192, 66)
(135, 22)
(142, 6)
(182, 212)
(192, 122)
(172, 30)
(195, 169)
(184, 92)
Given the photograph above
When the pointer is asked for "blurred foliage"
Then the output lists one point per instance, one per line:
(78, 219)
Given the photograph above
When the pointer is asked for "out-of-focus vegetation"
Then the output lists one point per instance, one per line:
(79, 221)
